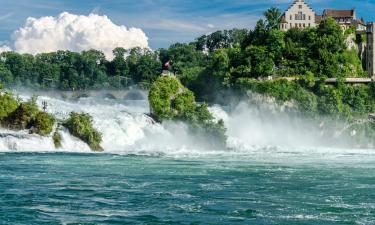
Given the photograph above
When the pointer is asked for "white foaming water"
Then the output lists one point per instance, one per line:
(126, 129)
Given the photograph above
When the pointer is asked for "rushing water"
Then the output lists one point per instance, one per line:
(273, 172)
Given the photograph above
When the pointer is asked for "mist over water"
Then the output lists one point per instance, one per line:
(254, 131)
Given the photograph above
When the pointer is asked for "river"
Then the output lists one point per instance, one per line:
(273, 172)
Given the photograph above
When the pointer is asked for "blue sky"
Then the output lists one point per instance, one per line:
(163, 21)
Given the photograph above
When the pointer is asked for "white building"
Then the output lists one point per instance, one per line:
(299, 15)
(345, 18)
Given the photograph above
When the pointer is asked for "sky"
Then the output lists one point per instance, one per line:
(163, 21)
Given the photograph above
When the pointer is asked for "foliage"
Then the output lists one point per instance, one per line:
(67, 70)
(272, 16)
(43, 124)
(8, 104)
(221, 39)
(80, 125)
(169, 99)
(22, 117)
(57, 138)
(162, 93)
(315, 98)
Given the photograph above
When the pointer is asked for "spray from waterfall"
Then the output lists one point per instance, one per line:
(252, 130)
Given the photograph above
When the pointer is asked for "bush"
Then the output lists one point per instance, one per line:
(43, 124)
(80, 126)
(56, 137)
(22, 117)
(8, 104)
(169, 99)
(161, 94)
(307, 102)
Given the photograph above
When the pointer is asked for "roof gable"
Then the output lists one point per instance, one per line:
(300, 2)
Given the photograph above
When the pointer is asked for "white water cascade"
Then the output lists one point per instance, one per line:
(127, 129)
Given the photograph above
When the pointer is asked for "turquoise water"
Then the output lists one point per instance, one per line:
(68, 188)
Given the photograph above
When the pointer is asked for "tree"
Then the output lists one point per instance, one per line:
(119, 67)
(6, 76)
(183, 56)
(261, 61)
(272, 16)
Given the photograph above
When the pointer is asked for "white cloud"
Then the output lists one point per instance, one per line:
(5, 48)
(210, 25)
(76, 33)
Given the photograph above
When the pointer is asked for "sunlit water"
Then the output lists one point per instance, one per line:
(157, 174)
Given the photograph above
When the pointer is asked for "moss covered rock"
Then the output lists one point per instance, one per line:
(80, 126)
(170, 100)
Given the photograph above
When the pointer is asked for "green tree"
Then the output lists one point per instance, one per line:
(119, 67)
(6, 76)
(261, 61)
(272, 16)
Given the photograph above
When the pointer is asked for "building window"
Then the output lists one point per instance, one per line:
(300, 16)
(291, 17)
(309, 17)
(300, 6)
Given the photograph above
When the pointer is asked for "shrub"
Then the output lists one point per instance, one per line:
(8, 104)
(161, 94)
(80, 126)
(43, 124)
(22, 117)
(306, 102)
(56, 137)
(169, 99)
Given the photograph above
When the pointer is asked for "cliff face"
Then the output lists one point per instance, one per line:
(351, 42)
(358, 43)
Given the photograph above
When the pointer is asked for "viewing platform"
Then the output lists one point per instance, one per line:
(350, 80)
(359, 80)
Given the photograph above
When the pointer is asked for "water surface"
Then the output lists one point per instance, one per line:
(74, 188)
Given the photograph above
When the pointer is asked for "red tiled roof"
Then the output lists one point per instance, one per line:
(334, 13)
